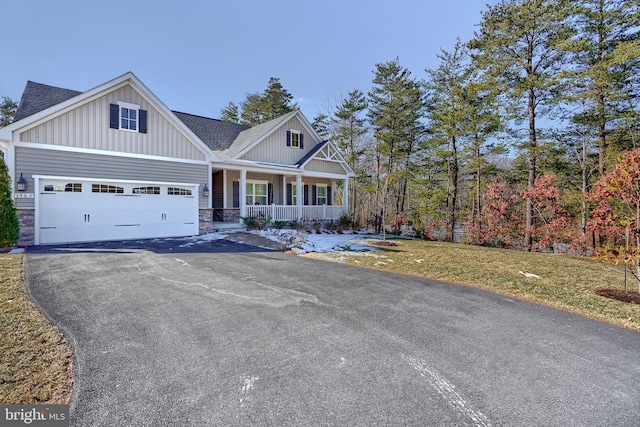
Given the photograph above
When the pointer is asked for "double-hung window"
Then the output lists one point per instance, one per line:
(257, 192)
(294, 194)
(295, 139)
(321, 195)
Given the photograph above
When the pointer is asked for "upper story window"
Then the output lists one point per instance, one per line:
(128, 117)
(295, 139)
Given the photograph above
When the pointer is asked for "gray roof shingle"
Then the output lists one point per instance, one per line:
(37, 97)
(218, 135)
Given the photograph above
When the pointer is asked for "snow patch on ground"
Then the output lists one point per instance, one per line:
(298, 241)
(313, 242)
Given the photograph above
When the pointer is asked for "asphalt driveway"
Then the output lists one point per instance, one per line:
(168, 333)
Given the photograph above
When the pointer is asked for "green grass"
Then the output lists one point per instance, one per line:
(567, 283)
(35, 361)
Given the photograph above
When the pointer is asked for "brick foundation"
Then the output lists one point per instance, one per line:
(27, 222)
(226, 215)
(205, 221)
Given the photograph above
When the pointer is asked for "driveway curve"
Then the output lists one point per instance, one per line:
(167, 333)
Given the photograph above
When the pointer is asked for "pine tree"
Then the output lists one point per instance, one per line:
(9, 227)
(8, 109)
(349, 128)
(604, 53)
(260, 107)
(230, 113)
(396, 107)
(448, 113)
(522, 43)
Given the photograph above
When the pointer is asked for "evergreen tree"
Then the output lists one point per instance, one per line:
(521, 43)
(448, 112)
(9, 227)
(604, 54)
(230, 113)
(276, 100)
(349, 129)
(260, 107)
(321, 124)
(8, 109)
(396, 108)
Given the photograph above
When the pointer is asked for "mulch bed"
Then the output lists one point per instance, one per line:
(631, 297)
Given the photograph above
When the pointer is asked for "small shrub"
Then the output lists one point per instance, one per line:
(279, 224)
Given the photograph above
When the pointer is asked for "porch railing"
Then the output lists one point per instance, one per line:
(290, 213)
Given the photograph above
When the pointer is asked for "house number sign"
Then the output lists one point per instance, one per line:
(23, 195)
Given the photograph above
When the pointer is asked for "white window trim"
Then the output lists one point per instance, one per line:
(326, 194)
(130, 106)
(295, 132)
(253, 194)
(294, 187)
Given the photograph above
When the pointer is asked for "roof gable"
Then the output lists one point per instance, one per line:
(54, 105)
(327, 152)
(252, 136)
(37, 97)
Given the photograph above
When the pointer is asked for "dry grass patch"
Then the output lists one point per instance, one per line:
(35, 361)
(564, 282)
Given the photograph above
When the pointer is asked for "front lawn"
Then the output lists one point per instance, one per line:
(564, 282)
(35, 361)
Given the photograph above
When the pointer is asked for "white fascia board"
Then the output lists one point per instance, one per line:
(325, 175)
(254, 167)
(40, 146)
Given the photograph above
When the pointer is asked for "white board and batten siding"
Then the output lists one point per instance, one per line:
(82, 210)
(273, 149)
(87, 126)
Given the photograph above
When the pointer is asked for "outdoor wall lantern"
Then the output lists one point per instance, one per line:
(22, 183)
(205, 191)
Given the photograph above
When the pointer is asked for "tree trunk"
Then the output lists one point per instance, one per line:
(454, 182)
(478, 180)
(533, 156)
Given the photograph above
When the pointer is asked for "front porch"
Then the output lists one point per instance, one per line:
(238, 194)
(293, 213)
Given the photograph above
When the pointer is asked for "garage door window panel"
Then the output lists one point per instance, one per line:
(146, 190)
(70, 187)
(177, 191)
(104, 188)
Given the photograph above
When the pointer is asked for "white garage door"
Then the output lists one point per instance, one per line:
(82, 210)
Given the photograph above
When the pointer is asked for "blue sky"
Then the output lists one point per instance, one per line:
(197, 55)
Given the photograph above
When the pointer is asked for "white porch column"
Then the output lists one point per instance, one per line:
(243, 193)
(345, 196)
(299, 195)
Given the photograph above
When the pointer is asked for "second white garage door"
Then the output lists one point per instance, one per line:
(82, 210)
